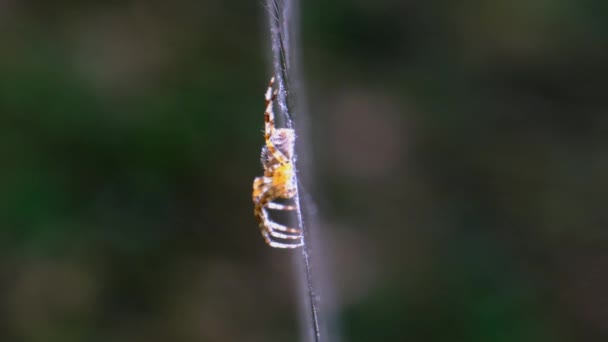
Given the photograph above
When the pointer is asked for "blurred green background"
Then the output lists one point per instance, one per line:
(460, 158)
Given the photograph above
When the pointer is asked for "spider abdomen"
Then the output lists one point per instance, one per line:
(283, 140)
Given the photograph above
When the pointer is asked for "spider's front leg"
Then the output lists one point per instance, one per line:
(284, 136)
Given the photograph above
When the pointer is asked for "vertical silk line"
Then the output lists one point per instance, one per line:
(282, 16)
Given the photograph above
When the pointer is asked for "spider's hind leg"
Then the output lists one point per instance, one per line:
(278, 206)
(275, 234)
(274, 243)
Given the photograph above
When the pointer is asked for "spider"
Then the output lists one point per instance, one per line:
(278, 181)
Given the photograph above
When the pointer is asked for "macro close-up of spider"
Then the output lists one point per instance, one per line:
(278, 181)
(430, 171)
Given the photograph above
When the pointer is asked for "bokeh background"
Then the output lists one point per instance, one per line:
(460, 170)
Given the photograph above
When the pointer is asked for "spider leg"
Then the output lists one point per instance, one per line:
(269, 125)
(276, 244)
(266, 223)
(283, 236)
(263, 196)
(265, 201)
(277, 206)
(260, 186)
(269, 97)
(269, 232)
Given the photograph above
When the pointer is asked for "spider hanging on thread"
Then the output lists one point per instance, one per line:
(279, 180)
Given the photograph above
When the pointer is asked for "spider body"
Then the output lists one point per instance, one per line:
(278, 181)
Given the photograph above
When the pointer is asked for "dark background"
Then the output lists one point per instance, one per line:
(460, 159)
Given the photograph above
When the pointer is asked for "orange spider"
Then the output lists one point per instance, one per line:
(278, 181)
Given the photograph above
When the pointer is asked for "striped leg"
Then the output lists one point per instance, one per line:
(269, 126)
(263, 195)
